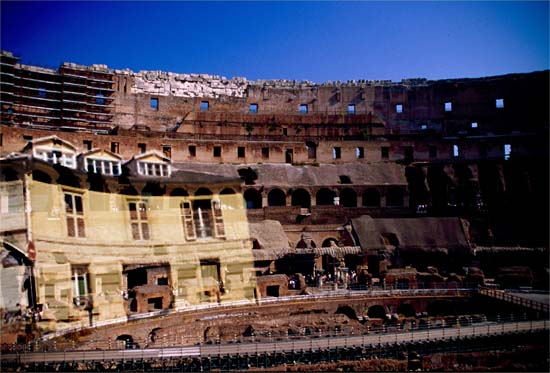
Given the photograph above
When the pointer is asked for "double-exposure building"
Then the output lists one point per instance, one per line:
(90, 236)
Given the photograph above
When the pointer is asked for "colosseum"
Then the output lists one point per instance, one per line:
(125, 193)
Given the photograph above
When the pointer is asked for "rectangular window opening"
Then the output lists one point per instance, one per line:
(253, 108)
(217, 152)
(138, 218)
(240, 152)
(87, 144)
(154, 103)
(432, 150)
(499, 103)
(399, 108)
(336, 152)
(265, 153)
(303, 109)
(351, 109)
(115, 147)
(205, 105)
(142, 147)
(385, 152)
(75, 215)
(192, 151)
(448, 106)
(360, 152)
(100, 99)
(456, 151)
(473, 125)
(507, 151)
(167, 151)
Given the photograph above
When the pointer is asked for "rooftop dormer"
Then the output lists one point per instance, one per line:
(102, 162)
(53, 150)
(152, 164)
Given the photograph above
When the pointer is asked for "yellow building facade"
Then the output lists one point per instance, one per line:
(102, 256)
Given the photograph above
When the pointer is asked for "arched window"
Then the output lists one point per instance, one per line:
(394, 197)
(300, 197)
(348, 198)
(371, 197)
(276, 197)
(253, 199)
(330, 242)
(325, 197)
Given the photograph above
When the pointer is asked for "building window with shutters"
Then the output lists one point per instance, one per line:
(81, 281)
(138, 220)
(202, 219)
(75, 214)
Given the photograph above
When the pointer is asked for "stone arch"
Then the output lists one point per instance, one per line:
(301, 197)
(227, 191)
(253, 199)
(348, 197)
(129, 190)
(202, 203)
(153, 188)
(330, 241)
(325, 197)
(154, 334)
(377, 312)
(348, 311)
(128, 341)
(394, 197)
(439, 308)
(371, 197)
(276, 197)
(67, 176)
(9, 174)
(406, 309)
(179, 192)
(38, 175)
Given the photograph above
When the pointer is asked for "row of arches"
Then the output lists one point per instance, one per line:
(348, 197)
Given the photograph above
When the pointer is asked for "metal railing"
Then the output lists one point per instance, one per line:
(121, 350)
(515, 299)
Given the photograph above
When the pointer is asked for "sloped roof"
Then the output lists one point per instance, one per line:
(284, 175)
(272, 239)
(414, 234)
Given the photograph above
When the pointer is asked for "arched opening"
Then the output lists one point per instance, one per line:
(403, 283)
(325, 197)
(348, 311)
(227, 191)
(203, 203)
(153, 189)
(41, 176)
(348, 198)
(66, 176)
(439, 308)
(179, 192)
(128, 341)
(371, 197)
(9, 174)
(406, 309)
(276, 197)
(129, 190)
(330, 242)
(394, 197)
(253, 199)
(376, 312)
(154, 334)
(300, 197)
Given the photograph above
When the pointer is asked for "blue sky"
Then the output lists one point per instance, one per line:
(316, 41)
